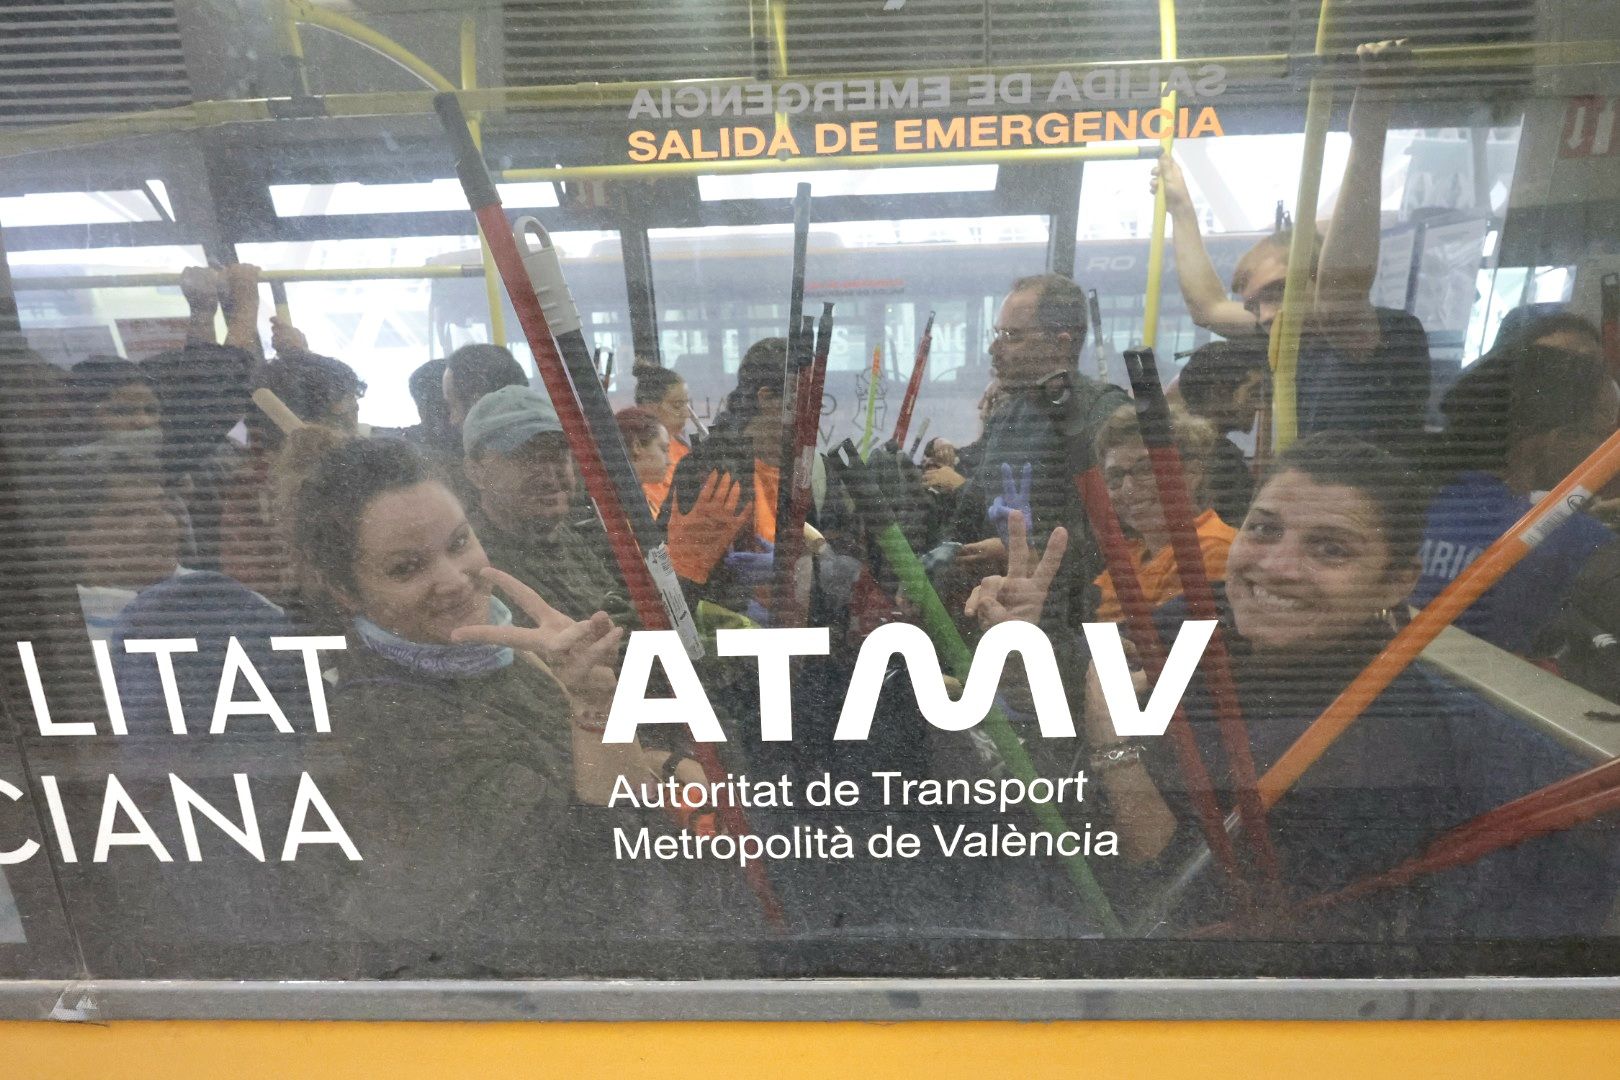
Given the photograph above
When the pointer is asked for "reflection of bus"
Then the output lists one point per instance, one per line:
(716, 294)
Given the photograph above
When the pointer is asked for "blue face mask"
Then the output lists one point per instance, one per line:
(456, 661)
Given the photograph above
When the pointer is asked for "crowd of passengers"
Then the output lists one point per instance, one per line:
(485, 613)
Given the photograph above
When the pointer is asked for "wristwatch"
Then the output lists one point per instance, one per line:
(1115, 756)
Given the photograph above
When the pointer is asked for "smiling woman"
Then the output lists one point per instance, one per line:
(1329, 547)
(437, 683)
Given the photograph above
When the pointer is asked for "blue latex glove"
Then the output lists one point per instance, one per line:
(1014, 499)
(753, 567)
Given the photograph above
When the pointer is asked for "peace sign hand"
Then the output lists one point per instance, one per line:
(580, 653)
(1021, 594)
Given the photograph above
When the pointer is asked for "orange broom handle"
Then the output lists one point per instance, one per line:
(1556, 507)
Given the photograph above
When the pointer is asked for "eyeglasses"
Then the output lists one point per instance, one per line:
(1012, 335)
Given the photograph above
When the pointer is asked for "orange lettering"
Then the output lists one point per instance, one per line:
(643, 147)
(783, 144)
(946, 136)
(863, 136)
(830, 138)
(1086, 126)
(674, 146)
(1207, 122)
(982, 132)
(1121, 125)
(1016, 126)
(907, 135)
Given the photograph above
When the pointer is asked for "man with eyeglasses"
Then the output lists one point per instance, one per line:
(1047, 424)
(1361, 367)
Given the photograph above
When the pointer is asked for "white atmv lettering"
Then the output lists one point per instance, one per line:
(689, 706)
(236, 667)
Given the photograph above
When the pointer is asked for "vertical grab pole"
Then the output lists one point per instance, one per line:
(1167, 104)
(799, 350)
(1282, 415)
(492, 279)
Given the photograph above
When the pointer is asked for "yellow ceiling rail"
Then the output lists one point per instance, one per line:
(303, 12)
(1155, 267)
(158, 279)
(306, 13)
(648, 170)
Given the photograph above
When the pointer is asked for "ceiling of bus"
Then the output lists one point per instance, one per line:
(62, 60)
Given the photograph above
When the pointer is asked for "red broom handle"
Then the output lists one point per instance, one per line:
(1144, 632)
(1153, 417)
(919, 367)
(486, 206)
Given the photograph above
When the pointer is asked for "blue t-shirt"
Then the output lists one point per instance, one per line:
(1464, 519)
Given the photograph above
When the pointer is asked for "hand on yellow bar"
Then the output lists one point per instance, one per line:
(1176, 197)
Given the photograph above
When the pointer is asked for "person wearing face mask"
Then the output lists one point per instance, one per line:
(1328, 551)
(466, 760)
(1128, 472)
(517, 460)
(1518, 421)
(1361, 368)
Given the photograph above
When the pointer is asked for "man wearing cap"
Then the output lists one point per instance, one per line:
(525, 517)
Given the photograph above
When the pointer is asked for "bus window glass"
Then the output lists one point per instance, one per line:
(648, 492)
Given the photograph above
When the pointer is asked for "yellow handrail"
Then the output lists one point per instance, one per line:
(1298, 288)
(632, 170)
(492, 277)
(159, 278)
(305, 12)
(1155, 267)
